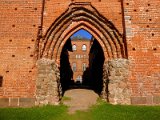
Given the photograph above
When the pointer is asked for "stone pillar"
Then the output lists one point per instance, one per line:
(104, 93)
(48, 82)
(118, 85)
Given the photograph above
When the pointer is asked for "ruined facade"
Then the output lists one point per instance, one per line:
(33, 34)
(79, 57)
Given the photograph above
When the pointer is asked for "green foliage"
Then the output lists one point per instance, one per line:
(101, 111)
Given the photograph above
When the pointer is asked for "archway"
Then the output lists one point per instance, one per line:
(111, 42)
(81, 63)
(86, 16)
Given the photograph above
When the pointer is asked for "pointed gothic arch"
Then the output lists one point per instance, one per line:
(87, 17)
(82, 16)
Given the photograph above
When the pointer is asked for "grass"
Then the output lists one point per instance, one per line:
(101, 111)
(65, 98)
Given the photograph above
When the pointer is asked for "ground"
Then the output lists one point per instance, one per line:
(100, 111)
(79, 99)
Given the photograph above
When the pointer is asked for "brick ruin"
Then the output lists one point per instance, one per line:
(33, 34)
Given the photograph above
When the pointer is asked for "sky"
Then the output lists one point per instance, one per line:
(82, 33)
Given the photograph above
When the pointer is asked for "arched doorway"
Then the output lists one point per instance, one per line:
(81, 63)
(112, 49)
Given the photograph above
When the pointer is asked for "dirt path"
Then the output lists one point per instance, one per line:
(80, 99)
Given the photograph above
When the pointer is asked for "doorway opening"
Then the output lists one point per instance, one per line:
(81, 63)
(107, 44)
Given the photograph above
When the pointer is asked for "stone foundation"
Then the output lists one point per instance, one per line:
(147, 100)
(48, 83)
(115, 82)
(118, 86)
(17, 102)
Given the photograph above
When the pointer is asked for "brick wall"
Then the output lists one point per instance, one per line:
(142, 18)
(19, 22)
(111, 9)
(79, 57)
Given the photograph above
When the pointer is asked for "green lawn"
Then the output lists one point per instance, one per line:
(101, 111)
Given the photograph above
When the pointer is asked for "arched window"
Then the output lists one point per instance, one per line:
(74, 47)
(84, 67)
(74, 67)
(84, 47)
(79, 78)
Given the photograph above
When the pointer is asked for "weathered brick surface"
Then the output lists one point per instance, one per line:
(20, 20)
(79, 57)
(143, 38)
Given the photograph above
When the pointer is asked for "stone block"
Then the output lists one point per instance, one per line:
(156, 100)
(26, 102)
(118, 73)
(13, 102)
(149, 100)
(4, 102)
(138, 100)
(122, 85)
